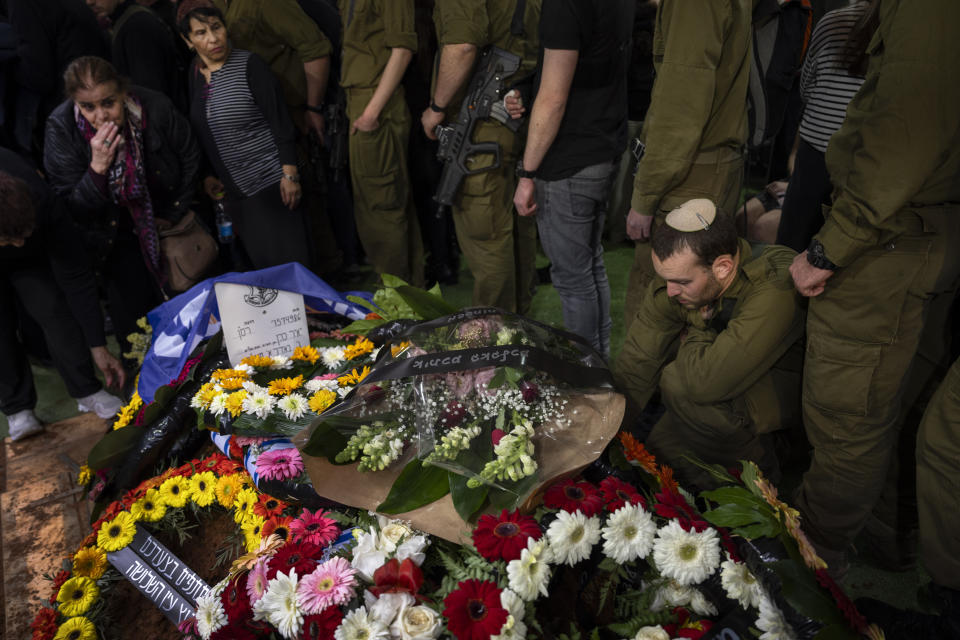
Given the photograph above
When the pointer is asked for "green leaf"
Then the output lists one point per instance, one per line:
(272, 425)
(363, 302)
(113, 447)
(749, 477)
(325, 442)
(733, 515)
(617, 459)
(418, 485)
(466, 501)
(770, 529)
(513, 375)
(499, 377)
(361, 327)
(426, 305)
(392, 281)
(803, 593)
(735, 495)
(435, 290)
(515, 493)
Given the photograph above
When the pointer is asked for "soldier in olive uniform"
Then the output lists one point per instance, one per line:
(717, 331)
(887, 249)
(500, 246)
(378, 43)
(697, 123)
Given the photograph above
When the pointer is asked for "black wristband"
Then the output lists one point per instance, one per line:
(817, 257)
(436, 108)
(315, 109)
(523, 173)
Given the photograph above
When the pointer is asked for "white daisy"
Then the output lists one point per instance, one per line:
(740, 584)
(652, 633)
(245, 368)
(218, 404)
(530, 574)
(252, 387)
(687, 556)
(700, 605)
(360, 625)
(259, 404)
(332, 357)
(210, 614)
(343, 391)
(629, 534)
(514, 627)
(279, 607)
(771, 621)
(572, 536)
(281, 362)
(293, 406)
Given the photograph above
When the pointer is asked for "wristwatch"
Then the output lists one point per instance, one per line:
(295, 179)
(817, 257)
(523, 173)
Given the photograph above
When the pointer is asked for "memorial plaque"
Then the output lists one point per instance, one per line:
(258, 320)
(163, 578)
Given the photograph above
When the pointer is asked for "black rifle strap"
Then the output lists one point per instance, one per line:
(516, 25)
(353, 4)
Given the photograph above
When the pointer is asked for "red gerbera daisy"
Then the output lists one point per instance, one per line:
(618, 493)
(293, 556)
(236, 631)
(279, 525)
(314, 528)
(321, 625)
(505, 537)
(235, 600)
(572, 496)
(474, 611)
(268, 506)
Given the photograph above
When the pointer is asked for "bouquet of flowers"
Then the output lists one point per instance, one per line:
(469, 404)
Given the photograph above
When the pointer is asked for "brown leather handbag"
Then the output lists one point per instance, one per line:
(188, 251)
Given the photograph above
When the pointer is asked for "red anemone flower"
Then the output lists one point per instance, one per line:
(505, 537)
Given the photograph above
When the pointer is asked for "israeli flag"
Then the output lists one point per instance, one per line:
(183, 322)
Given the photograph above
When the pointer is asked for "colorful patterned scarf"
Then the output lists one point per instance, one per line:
(127, 180)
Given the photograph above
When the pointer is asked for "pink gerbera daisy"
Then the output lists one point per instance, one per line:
(257, 581)
(279, 464)
(328, 376)
(314, 528)
(330, 584)
(247, 441)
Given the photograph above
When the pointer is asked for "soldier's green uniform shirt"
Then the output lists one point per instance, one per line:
(371, 28)
(283, 35)
(701, 54)
(499, 246)
(757, 320)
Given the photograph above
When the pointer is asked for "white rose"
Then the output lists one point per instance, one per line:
(367, 558)
(652, 633)
(413, 548)
(416, 623)
(387, 607)
(392, 533)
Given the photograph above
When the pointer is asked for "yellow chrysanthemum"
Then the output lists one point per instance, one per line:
(205, 395)
(321, 400)
(353, 377)
(397, 349)
(234, 402)
(232, 384)
(227, 489)
(243, 504)
(89, 562)
(117, 533)
(203, 488)
(306, 354)
(361, 347)
(149, 508)
(283, 386)
(76, 595)
(129, 412)
(175, 491)
(78, 628)
(84, 476)
(226, 374)
(257, 361)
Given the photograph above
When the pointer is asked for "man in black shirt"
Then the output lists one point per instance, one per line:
(43, 264)
(578, 128)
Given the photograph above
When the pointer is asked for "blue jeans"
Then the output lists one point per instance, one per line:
(570, 218)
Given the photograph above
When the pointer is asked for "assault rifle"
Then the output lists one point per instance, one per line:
(484, 100)
(337, 125)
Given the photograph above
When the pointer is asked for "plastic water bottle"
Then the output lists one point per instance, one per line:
(224, 224)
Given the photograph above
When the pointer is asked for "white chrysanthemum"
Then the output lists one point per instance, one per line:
(671, 594)
(700, 605)
(652, 633)
(332, 357)
(514, 627)
(281, 362)
(360, 625)
(740, 584)
(252, 387)
(375, 353)
(218, 404)
(687, 556)
(210, 614)
(197, 402)
(293, 406)
(629, 534)
(771, 621)
(316, 384)
(343, 391)
(572, 536)
(530, 574)
(279, 607)
(245, 368)
(258, 404)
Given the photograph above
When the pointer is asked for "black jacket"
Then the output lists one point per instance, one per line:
(172, 164)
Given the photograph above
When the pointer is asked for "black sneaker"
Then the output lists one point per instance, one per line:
(900, 624)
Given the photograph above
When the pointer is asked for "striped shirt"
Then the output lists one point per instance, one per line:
(243, 137)
(825, 84)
